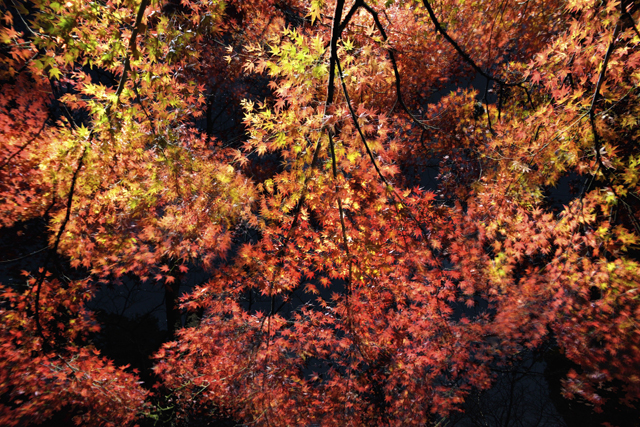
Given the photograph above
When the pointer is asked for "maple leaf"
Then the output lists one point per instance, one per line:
(315, 10)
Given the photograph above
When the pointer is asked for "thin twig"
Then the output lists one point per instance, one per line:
(342, 224)
(25, 145)
(8, 261)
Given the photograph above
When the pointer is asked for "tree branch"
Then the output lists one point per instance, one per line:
(54, 249)
(592, 115)
(23, 146)
(465, 56)
(394, 64)
(370, 153)
(460, 51)
(132, 49)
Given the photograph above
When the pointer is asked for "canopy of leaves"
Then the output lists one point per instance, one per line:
(383, 298)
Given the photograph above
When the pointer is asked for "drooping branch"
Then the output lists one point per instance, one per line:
(345, 242)
(132, 49)
(144, 108)
(336, 31)
(596, 93)
(54, 249)
(357, 125)
(333, 63)
(390, 187)
(394, 64)
(465, 56)
(354, 119)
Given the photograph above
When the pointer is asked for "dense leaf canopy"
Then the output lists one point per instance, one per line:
(384, 297)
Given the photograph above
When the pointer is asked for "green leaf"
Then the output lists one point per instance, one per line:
(54, 73)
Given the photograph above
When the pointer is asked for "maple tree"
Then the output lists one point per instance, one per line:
(381, 298)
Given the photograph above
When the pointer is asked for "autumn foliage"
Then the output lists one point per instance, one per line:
(385, 297)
